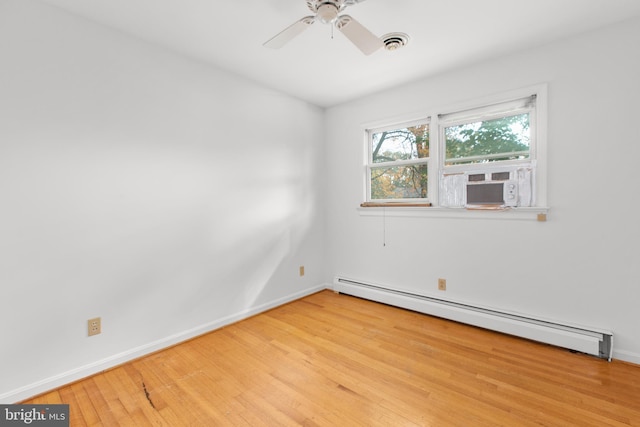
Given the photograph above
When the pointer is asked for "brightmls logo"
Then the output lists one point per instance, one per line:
(34, 415)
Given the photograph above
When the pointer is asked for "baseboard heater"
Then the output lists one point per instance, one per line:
(586, 340)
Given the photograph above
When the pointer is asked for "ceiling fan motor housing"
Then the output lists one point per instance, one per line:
(327, 13)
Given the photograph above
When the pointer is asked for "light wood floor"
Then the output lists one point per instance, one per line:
(335, 360)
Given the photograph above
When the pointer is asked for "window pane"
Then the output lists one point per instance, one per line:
(400, 144)
(506, 138)
(400, 182)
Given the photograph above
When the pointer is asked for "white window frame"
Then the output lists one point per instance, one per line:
(369, 165)
(436, 165)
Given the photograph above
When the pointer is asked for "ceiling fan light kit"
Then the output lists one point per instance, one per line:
(328, 12)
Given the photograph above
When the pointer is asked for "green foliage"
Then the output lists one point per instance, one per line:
(490, 137)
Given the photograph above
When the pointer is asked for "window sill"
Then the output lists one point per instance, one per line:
(427, 211)
(394, 205)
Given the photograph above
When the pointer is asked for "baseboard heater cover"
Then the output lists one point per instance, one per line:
(583, 339)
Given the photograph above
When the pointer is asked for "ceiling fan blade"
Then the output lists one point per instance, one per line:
(289, 33)
(352, 2)
(364, 39)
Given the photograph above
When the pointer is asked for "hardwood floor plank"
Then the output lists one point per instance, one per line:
(334, 360)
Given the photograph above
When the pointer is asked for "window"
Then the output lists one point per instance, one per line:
(489, 155)
(488, 140)
(497, 133)
(398, 166)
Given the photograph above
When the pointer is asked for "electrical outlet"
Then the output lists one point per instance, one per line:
(301, 270)
(442, 284)
(94, 326)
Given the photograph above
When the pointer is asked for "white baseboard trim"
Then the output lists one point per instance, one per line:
(626, 356)
(85, 371)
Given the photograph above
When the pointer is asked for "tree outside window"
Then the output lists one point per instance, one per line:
(399, 157)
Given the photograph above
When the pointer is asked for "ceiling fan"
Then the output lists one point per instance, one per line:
(328, 12)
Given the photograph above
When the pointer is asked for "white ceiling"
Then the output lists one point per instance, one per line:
(445, 34)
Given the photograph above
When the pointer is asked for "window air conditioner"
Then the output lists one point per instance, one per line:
(491, 188)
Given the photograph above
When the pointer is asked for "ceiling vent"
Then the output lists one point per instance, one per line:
(394, 41)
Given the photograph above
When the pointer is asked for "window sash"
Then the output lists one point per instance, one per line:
(418, 161)
(372, 132)
(408, 162)
(469, 159)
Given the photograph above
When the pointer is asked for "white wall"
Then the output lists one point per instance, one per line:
(165, 196)
(581, 266)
